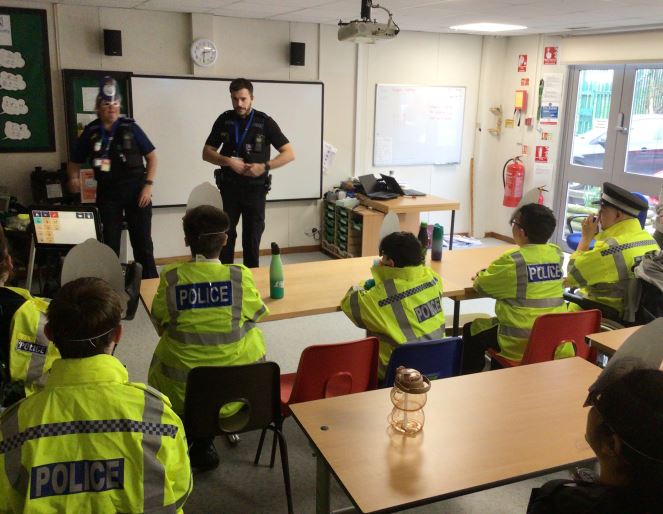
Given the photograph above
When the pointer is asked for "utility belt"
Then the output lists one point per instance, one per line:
(227, 177)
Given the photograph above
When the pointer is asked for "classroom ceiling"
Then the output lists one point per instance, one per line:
(540, 16)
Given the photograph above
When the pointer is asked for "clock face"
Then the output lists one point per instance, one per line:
(204, 52)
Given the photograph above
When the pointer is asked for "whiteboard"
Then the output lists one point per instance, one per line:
(177, 114)
(417, 124)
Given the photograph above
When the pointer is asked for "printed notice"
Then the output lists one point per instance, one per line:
(89, 98)
(328, 153)
(541, 154)
(552, 87)
(5, 30)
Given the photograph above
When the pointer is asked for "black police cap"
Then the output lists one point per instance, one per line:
(621, 199)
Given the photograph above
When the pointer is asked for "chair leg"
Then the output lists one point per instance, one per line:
(262, 440)
(283, 448)
(275, 429)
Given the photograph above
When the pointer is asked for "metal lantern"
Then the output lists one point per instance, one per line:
(409, 397)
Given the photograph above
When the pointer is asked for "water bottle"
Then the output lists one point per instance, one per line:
(276, 280)
(438, 234)
(423, 239)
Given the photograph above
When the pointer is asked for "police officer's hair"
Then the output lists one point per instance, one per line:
(240, 83)
(403, 248)
(4, 251)
(204, 228)
(538, 222)
(82, 317)
(632, 408)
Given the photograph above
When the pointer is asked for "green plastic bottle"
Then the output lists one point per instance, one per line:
(276, 279)
(423, 239)
(438, 234)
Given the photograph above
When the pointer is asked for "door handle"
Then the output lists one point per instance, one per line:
(620, 124)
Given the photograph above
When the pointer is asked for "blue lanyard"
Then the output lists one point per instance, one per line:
(106, 146)
(239, 141)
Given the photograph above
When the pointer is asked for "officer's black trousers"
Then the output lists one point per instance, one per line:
(247, 201)
(116, 202)
(474, 348)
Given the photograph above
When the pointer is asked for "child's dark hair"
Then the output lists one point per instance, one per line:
(82, 317)
(632, 408)
(204, 228)
(241, 83)
(538, 222)
(403, 248)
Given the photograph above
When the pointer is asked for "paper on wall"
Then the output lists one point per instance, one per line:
(552, 88)
(5, 30)
(89, 98)
(542, 175)
(328, 153)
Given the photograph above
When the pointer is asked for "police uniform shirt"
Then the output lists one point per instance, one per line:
(253, 150)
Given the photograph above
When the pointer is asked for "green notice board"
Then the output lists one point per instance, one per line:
(80, 91)
(26, 114)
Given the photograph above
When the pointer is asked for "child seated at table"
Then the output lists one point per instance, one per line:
(207, 313)
(526, 282)
(404, 304)
(625, 430)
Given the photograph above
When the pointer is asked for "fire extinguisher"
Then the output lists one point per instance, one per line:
(513, 178)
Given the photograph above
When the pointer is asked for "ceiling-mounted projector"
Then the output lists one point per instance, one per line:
(367, 30)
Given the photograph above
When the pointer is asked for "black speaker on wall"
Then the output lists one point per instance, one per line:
(113, 42)
(297, 54)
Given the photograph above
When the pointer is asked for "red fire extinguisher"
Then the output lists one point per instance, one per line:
(513, 177)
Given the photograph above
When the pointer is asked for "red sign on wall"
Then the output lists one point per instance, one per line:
(541, 154)
(522, 62)
(550, 55)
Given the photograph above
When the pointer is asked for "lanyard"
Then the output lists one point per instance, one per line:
(106, 147)
(239, 141)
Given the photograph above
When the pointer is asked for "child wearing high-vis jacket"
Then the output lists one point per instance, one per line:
(404, 304)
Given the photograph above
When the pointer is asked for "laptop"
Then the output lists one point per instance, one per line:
(63, 226)
(393, 185)
(371, 188)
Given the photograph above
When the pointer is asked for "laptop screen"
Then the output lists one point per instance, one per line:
(63, 226)
(368, 182)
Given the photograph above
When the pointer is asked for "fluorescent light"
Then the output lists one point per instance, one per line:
(487, 27)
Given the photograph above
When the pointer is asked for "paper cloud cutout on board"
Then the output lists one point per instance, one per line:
(9, 59)
(16, 131)
(13, 106)
(11, 82)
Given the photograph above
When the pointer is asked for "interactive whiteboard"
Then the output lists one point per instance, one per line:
(177, 115)
(417, 124)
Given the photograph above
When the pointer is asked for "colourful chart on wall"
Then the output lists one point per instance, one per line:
(26, 107)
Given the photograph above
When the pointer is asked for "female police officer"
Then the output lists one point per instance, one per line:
(117, 147)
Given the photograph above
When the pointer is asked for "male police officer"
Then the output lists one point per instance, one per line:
(117, 147)
(604, 272)
(526, 282)
(245, 136)
(91, 441)
(404, 305)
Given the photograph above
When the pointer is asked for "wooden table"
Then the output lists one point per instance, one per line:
(408, 209)
(481, 431)
(611, 341)
(318, 287)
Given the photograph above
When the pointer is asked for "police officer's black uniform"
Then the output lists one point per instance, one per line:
(119, 188)
(249, 139)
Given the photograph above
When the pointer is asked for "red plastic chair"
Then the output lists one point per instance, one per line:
(552, 330)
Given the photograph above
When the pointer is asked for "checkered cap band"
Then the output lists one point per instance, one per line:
(408, 292)
(620, 248)
(96, 426)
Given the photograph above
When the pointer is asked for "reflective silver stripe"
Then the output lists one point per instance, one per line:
(618, 257)
(534, 303)
(172, 279)
(17, 475)
(618, 248)
(521, 333)
(575, 273)
(259, 313)
(176, 374)
(238, 294)
(154, 474)
(399, 311)
(605, 290)
(38, 360)
(521, 275)
(356, 310)
(210, 338)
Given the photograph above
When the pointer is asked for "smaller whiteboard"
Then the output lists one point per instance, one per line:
(417, 124)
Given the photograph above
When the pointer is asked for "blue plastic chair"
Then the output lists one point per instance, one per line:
(573, 238)
(439, 358)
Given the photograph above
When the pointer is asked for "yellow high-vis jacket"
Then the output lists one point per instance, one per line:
(604, 272)
(526, 282)
(91, 441)
(405, 305)
(31, 354)
(208, 313)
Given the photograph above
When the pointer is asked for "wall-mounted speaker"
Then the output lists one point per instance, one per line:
(297, 54)
(113, 42)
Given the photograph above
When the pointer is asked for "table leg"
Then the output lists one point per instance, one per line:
(321, 486)
(456, 328)
(451, 234)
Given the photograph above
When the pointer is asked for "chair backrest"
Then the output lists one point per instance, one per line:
(552, 330)
(329, 370)
(435, 359)
(208, 388)
(642, 217)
